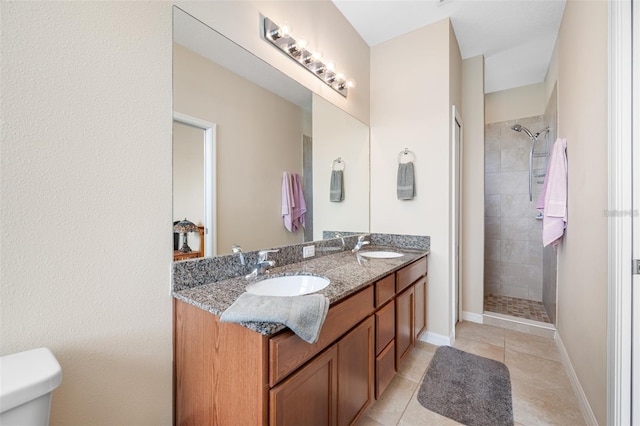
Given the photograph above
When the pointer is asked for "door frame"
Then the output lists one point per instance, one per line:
(210, 198)
(456, 217)
(620, 228)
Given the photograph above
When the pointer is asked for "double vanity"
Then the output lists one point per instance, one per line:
(262, 373)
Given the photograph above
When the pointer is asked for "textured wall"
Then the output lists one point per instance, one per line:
(414, 113)
(582, 119)
(86, 202)
(473, 185)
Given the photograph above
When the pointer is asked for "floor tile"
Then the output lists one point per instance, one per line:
(541, 391)
(532, 345)
(389, 408)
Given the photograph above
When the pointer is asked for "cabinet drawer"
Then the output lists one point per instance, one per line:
(385, 289)
(287, 351)
(385, 326)
(407, 275)
(385, 368)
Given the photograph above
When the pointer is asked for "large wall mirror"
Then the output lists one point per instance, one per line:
(261, 124)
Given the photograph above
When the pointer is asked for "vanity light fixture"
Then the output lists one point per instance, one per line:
(282, 38)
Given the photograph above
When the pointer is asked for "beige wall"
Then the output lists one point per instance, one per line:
(511, 104)
(86, 203)
(410, 108)
(582, 119)
(86, 161)
(240, 21)
(336, 134)
(259, 136)
(473, 185)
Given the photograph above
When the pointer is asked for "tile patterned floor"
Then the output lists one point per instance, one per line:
(513, 306)
(541, 391)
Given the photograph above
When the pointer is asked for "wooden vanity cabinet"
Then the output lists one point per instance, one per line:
(411, 308)
(227, 374)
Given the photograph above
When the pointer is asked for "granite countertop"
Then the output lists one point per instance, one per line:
(347, 276)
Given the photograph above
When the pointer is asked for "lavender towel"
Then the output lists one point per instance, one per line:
(304, 315)
(552, 202)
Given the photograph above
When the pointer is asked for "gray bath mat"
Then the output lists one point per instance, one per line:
(467, 388)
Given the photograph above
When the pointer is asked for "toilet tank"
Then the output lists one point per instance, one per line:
(26, 382)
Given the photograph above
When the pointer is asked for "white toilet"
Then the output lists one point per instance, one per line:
(26, 382)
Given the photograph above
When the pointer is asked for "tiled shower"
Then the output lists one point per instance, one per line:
(519, 274)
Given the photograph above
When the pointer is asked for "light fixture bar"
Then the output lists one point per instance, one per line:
(284, 41)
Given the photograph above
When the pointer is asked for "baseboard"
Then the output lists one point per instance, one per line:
(587, 413)
(472, 317)
(436, 339)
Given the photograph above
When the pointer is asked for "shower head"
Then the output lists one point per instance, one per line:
(519, 128)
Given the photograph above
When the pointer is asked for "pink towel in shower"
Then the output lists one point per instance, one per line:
(300, 207)
(288, 203)
(552, 202)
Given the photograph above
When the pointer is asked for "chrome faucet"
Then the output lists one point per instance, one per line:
(361, 242)
(263, 265)
(339, 235)
(237, 249)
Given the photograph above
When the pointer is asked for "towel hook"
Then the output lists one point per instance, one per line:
(404, 154)
(337, 162)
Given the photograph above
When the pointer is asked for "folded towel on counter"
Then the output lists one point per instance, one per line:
(288, 202)
(336, 189)
(406, 181)
(304, 315)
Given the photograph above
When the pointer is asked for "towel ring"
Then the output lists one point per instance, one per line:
(404, 155)
(337, 162)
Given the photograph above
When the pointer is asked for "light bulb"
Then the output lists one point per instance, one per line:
(285, 30)
(351, 84)
(302, 43)
(339, 76)
(317, 55)
(331, 66)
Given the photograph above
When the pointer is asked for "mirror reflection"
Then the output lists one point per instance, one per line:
(262, 124)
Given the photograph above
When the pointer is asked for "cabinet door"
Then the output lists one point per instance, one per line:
(404, 325)
(355, 371)
(420, 323)
(309, 396)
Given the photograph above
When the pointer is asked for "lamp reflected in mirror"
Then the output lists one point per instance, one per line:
(183, 227)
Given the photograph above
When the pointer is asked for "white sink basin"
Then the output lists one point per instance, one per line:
(380, 254)
(292, 285)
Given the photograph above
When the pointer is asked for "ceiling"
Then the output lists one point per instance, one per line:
(516, 37)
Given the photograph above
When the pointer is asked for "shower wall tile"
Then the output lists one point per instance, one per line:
(492, 135)
(492, 249)
(520, 275)
(514, 159)
(535, 230)
(514, 228)
(535, 294)
(512, 291)
(492, 271)
(514, 205)
(514, 182)
(535, 253)
(492, 205)
(492, 161)
(492, 227)
(492, 183)
(514, 251)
